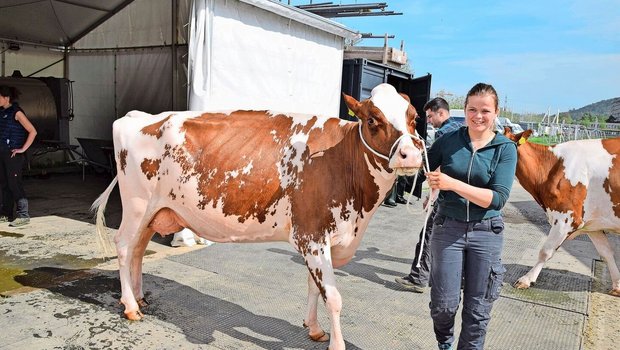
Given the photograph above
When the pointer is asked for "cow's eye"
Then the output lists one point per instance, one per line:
(371, 121)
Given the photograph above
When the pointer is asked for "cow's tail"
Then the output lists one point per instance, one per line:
(99, 206)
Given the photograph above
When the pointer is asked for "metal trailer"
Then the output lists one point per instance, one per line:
(360, 76)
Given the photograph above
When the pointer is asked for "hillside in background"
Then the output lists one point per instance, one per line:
(601, 108)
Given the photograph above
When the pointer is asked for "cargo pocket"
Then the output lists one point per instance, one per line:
(497, 225)
(496, 277)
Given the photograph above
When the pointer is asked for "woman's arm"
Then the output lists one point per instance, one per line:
(477, 195)
(32, 132)
(494, 197)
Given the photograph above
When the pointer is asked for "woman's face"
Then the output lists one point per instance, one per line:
(480, 112)
(4, 101)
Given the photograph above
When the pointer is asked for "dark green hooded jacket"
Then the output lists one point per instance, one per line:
(492, 166)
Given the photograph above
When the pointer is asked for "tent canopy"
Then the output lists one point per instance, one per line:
(61, 23)
(57, 23)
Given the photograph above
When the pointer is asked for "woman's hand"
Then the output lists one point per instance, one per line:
(16, 151)
(439, 181)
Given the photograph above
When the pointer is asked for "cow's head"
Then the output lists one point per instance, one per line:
(387, 125)
(519, 138)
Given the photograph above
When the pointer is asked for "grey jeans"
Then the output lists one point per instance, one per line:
(472, 248)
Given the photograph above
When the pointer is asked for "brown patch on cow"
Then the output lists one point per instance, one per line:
(218, 152)
(172, 195)
(317, 277)
(315, 252)
(156, 129)
(542, 174)
(150, 167)
(122, 159)
(612, 182)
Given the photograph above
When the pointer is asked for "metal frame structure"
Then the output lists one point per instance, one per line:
(331, 10)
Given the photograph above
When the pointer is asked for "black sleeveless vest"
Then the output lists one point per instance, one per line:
(12, 133)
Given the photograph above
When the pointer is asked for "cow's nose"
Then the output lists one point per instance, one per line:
(403, 155)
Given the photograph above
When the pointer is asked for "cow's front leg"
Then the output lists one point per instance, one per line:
(315, 331)
(318, 260)
(557, 235)
(601, 243)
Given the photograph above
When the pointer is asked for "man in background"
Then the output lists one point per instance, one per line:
(438, 114)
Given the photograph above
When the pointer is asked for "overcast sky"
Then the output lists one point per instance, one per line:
(538, 54)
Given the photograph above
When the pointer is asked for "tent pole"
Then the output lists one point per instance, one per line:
(175, 72)
(65, 63)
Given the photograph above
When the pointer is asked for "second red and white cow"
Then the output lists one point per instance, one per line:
(578, 185)
(255, 176)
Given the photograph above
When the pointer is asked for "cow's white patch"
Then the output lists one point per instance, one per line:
(563, 221)
(588, 163)
(246, 169)
(292, 162)
(584, 161)
(393, 106)
(344, 225)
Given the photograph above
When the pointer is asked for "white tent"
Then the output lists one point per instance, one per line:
(124, 55)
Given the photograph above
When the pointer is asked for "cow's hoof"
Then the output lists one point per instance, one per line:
(134, 315)
(142, 302)
(615, 292)
(521, 285)
(320, 337)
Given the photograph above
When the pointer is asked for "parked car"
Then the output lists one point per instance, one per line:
(514, 127)
(430, 134)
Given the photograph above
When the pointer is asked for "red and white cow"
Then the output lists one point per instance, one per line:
(255, 176)
(578, 185)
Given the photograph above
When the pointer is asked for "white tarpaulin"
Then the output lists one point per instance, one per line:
(253, 54)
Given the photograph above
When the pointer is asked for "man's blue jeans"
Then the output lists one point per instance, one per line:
(472, 248)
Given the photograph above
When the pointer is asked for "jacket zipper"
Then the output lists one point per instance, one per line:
(471, 162)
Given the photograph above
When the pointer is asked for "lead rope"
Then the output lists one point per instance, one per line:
(427, 209)
(415, 179)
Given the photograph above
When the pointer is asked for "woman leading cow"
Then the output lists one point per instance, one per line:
(477, 170)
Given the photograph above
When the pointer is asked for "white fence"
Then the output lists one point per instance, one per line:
(561, 132)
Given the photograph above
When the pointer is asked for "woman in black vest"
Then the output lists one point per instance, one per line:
(16, 135)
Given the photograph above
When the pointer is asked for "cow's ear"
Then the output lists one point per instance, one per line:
(412, 115)
(353, 104)
(406, 97)
(508, 133)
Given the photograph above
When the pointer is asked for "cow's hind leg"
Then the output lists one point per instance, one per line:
(125, 251)
(319, 264)
(129, 236)
(557, 235)
(601, 243)
(136, 265)
(315, 331)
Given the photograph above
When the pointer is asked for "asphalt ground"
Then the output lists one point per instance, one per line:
(59, 293)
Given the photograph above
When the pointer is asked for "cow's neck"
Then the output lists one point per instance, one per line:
(374, 168)
(366, 182)
(533, 168)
